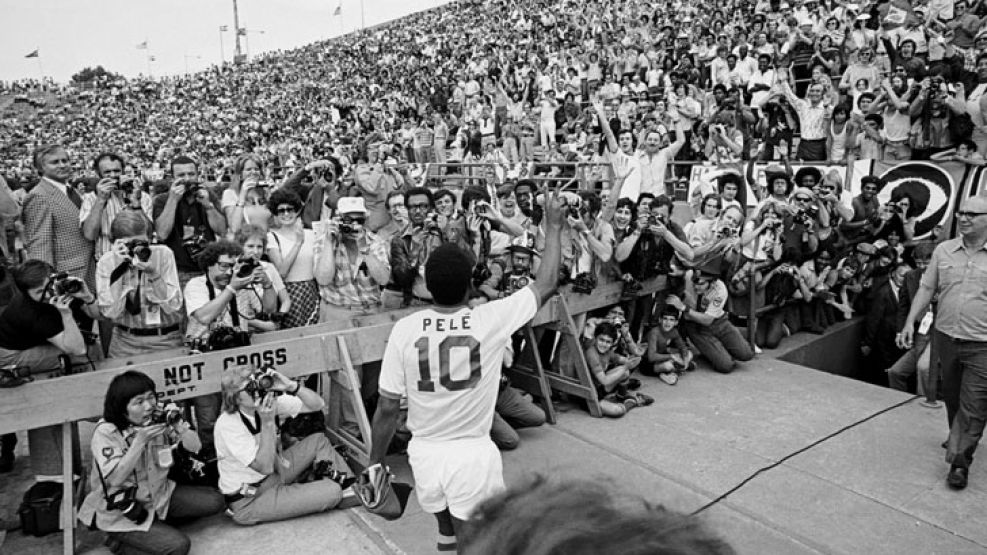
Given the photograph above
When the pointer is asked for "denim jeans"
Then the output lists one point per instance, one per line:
(187, 503)
(964, 389)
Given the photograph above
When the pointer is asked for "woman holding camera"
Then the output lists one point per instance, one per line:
(244, 202)
(130, 495)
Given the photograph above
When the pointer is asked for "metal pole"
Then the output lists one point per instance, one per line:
(222, 53)
(363, 19)
(68, 505)
(236, 29)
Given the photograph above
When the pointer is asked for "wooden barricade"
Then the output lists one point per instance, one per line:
(331, 349)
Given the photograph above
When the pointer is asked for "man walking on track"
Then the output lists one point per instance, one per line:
(446, 360)
(957, 274)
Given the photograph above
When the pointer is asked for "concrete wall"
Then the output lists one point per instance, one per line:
(836, 352)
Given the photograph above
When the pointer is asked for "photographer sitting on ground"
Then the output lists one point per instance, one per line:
(612, 373)
(130, 495)
(221, 309)
(668, 354)
(261, 482)
(38, 334)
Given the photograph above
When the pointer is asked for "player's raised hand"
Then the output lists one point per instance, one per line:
(555, 206)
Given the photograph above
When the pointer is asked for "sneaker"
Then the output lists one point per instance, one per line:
(957, 477)
(633, 384)
(644, 400)
(630, 402)
(669, 377)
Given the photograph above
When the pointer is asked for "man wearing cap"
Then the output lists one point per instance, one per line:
(508, 276)
(351, 263)
(706, 322)
(957, 277)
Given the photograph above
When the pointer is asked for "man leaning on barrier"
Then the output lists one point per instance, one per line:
(261, 482)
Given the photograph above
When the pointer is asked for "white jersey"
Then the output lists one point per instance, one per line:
(448, 365)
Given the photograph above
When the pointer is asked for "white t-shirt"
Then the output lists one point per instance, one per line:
(632, 185)
(236, 446)
(448, 365)
(304, 267)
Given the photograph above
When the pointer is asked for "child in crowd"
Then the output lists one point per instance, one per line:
(668, 354)
(612, 373)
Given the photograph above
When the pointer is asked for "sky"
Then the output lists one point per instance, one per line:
(73, 34)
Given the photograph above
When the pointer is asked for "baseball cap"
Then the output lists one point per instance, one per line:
(351, 205)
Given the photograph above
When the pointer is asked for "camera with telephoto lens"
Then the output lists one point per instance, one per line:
(194, 245)
(517, 282)
(261, 382)
(584, 283)
(64, 284)
(807, 214)
(139, 249)
(192, 188)
(125, 185)
(247, 266)
(224, 337)
(726, 231)
(431, 221)
(166, 415)
(126, 501)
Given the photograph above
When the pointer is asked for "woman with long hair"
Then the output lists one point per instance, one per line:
(244, 202)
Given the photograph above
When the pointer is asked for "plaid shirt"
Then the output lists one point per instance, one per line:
(111, 208)
(352, 286)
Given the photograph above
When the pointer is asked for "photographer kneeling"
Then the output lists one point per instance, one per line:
(260, 481)
(130, 495)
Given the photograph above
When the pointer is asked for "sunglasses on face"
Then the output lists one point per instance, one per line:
(802, 199)
(285, 210)
(969, 214)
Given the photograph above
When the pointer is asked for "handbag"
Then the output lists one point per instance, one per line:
(380, 495)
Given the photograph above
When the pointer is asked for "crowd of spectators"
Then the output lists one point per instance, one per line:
(311, 185)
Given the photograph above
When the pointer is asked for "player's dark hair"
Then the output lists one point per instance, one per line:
(448, 272)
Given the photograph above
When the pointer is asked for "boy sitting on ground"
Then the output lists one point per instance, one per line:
(668, 354)
(612, 373)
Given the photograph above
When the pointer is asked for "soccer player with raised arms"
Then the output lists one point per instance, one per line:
(446, 359)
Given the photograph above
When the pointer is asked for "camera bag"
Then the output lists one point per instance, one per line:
(39, 510)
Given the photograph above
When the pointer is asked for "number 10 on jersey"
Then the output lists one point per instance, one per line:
(425, 382)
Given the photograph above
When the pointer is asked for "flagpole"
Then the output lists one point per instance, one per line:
(222, 52)
(363, 19)
(41, 68)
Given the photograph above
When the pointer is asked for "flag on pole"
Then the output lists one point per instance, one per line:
(339, 10)
(151, 59)
(142, 46)
(241, 31)
(35, 54)
(224, 28)
(896, 15)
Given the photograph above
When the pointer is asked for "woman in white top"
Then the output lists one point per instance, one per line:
(245, 200)
(290, 249)
(701, 230)
(839, 131)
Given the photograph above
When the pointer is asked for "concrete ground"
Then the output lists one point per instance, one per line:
(838, 467)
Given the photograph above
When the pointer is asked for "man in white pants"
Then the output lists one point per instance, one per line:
(447, 360)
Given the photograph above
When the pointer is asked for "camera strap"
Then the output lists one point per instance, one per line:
(254, 427)
(102, 480)
(232, 309)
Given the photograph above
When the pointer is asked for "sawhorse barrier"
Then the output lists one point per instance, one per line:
(333, 349)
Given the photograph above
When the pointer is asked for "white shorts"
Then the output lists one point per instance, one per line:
(458, 475)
